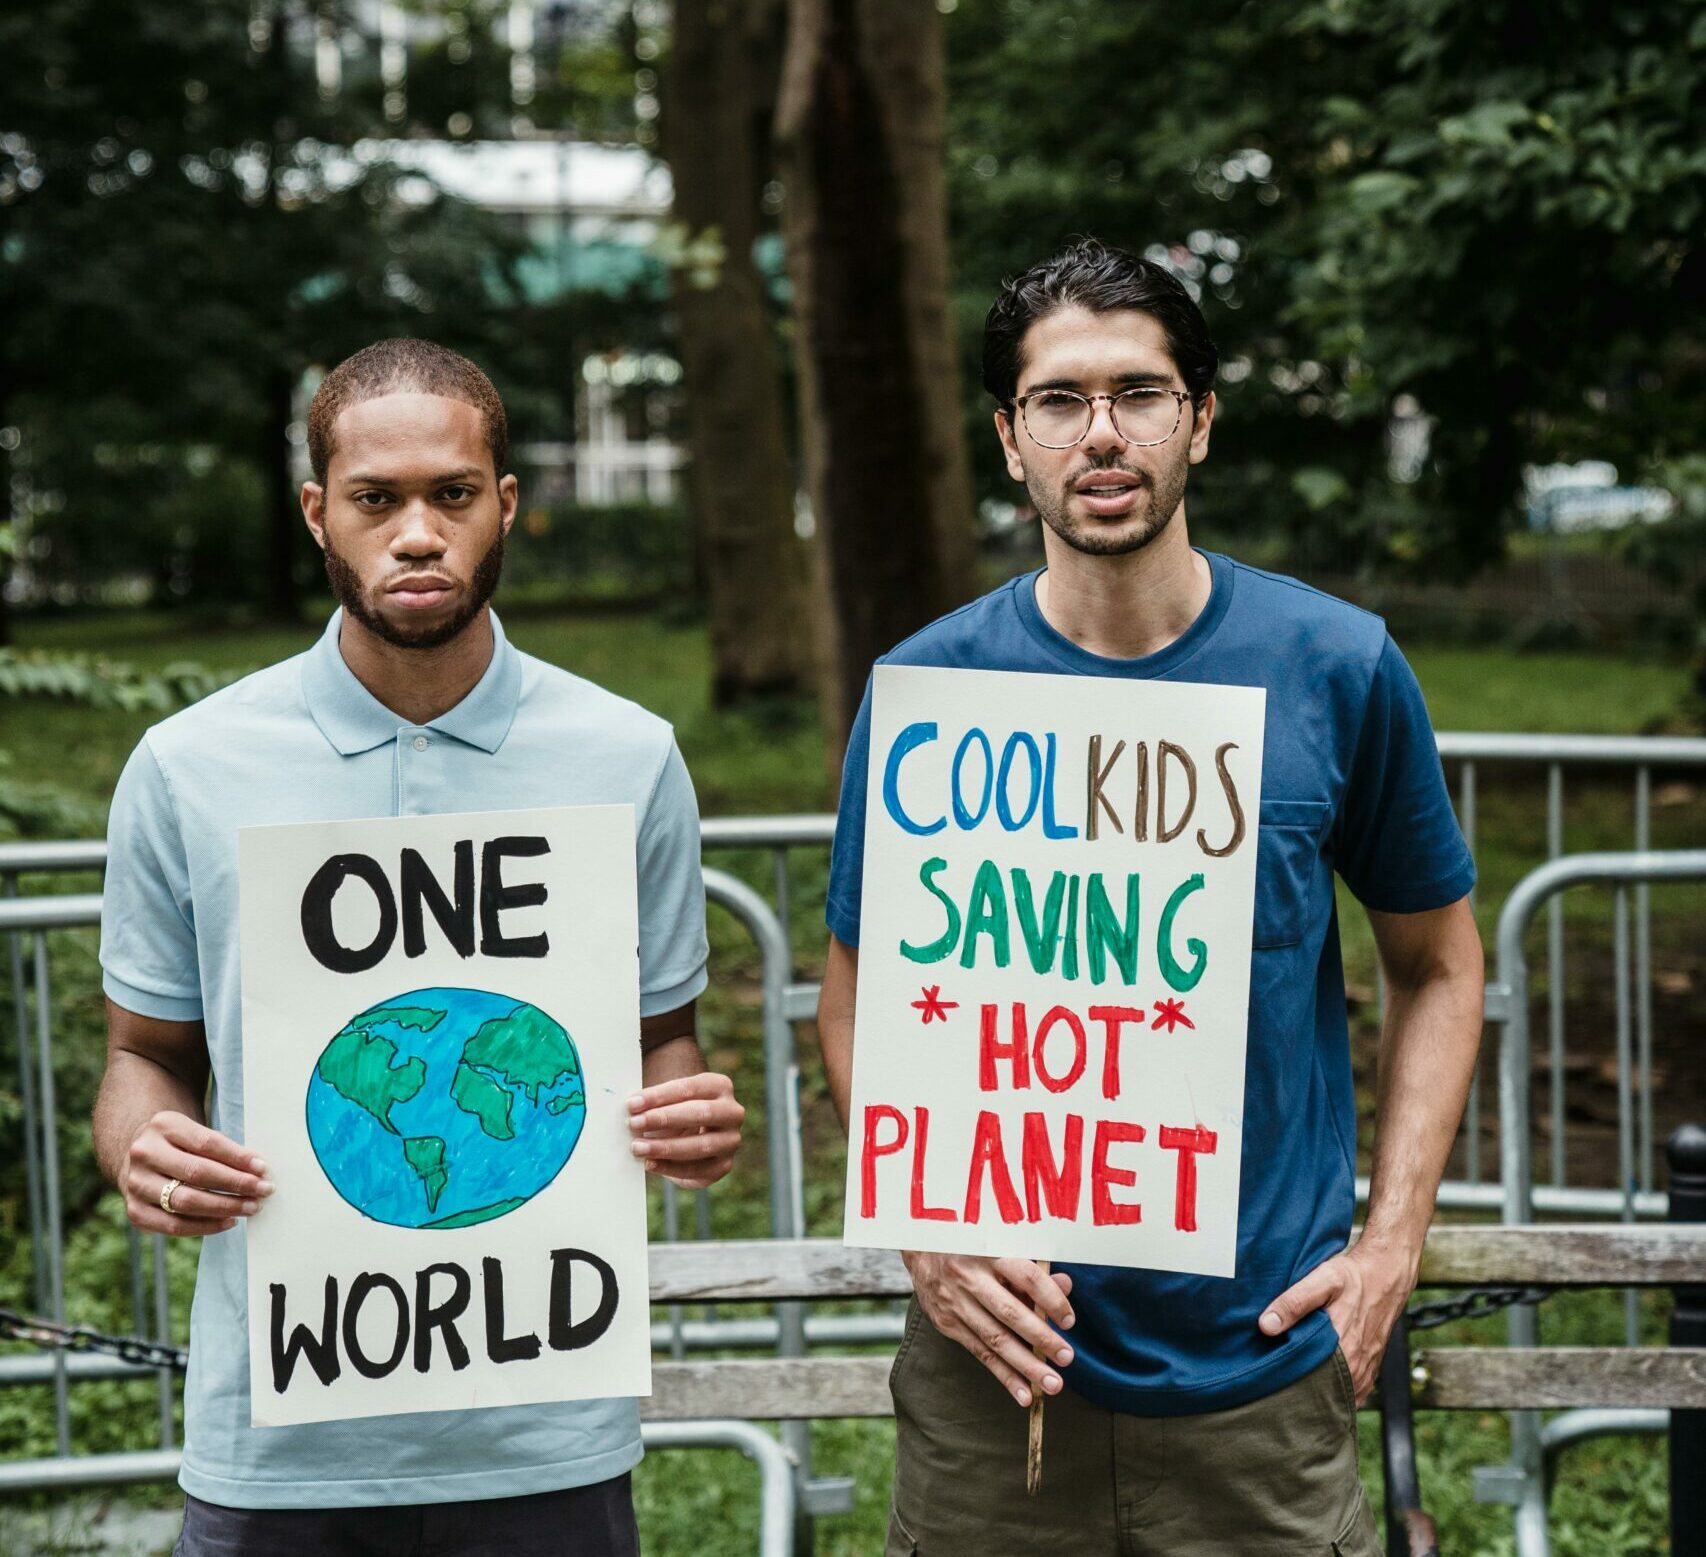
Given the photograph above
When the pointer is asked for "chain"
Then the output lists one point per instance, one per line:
(1480, 1304)
(81, 1338)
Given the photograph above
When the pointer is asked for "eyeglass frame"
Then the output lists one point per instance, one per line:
(1180, 396)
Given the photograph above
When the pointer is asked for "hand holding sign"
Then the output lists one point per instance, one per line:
(213, 1180)
(994, 1309)
(688, 1129)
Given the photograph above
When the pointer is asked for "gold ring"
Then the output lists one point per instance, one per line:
(167, 1190)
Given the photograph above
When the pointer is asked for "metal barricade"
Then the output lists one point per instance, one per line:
(788, 999)
(1639, 757)
(788, 1494)
(1523, 1482)
(777, 1509)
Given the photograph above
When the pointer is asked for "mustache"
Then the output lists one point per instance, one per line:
(1103, 467)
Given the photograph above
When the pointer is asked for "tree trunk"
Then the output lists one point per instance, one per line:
(860, 129)
(719, 109)
(283, 513)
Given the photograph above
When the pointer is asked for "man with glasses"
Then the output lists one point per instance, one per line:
(1191, 1415)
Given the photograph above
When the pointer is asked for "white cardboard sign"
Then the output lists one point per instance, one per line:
(1054, 967)
(440, 1031)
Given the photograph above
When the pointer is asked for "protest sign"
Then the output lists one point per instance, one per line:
(1054, 967)
(440, 1033)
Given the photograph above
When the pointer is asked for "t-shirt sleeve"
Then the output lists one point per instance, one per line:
(673, 948)
(847, 860)
(148, 946)
(1398, 845)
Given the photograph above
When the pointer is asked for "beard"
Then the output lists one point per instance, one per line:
(347, 588)
(1158, 500)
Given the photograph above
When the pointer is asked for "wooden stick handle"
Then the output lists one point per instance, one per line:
(1034, 1444)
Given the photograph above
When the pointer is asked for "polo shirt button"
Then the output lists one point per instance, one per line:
(420, 743)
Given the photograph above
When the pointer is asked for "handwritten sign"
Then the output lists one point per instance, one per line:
(1054, 967)
(440, 1031)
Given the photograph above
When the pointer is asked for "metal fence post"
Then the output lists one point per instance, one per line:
(1686, 1150)
(787, 1192)
(1409, 1532)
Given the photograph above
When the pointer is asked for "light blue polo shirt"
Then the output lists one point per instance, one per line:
(304, 741)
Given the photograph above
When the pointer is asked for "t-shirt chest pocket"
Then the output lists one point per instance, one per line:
(1288, 846)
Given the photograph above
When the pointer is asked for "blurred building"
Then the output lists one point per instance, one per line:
(592, 216)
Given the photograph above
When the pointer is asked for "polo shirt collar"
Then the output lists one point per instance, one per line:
(354, 720)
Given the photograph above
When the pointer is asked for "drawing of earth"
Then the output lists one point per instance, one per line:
(445, 1107)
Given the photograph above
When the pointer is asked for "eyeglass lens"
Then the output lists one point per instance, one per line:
(1058, 418)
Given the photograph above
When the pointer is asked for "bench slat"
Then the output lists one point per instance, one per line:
(1485, 1378)
(1459, 1378)
(1565, 1254)
(768, 1270)
(770, 1388)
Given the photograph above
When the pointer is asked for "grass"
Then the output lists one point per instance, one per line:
(1558, 693)
(1611, 1495)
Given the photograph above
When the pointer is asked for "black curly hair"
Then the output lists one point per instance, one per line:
(1093, 275)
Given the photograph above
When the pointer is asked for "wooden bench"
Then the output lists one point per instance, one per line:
(1452, 1378)
(714, 1402)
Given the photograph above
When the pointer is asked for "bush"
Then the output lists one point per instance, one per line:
(626, 552)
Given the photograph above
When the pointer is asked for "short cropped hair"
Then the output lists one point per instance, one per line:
(403, 366)
(1103, 279)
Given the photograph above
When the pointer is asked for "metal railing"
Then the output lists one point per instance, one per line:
(790, 1495)
(1639, 756)
(1525, 1482)
(787, 999)
(1636, 757)
(777, 1506)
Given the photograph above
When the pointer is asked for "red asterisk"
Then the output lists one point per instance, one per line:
(1169, 1013)
(933, 1006)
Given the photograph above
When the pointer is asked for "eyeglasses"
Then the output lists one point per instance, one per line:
(1059, 418)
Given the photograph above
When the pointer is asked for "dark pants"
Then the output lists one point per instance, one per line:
(595, 1521)
(1274, 1478)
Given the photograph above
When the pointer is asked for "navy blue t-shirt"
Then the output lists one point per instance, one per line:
(1351, 782)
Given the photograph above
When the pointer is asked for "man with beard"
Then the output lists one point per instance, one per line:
(1191, 1415)
(412, 703)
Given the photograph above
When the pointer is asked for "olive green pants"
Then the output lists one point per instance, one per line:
(1274, 1477)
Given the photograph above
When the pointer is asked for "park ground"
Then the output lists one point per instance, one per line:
(1611, 1497)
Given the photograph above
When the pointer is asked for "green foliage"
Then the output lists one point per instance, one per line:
(48, 809)
(1610, 1496)
(41, 809)
(1514, 236)
(192, 230)
(623, 551)
(102, 683)
(1493, 209)
(1676, 548)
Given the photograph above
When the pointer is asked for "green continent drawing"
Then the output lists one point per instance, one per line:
(364, 1069)
(480, 1213)
(525, 1048)
(476, 1093)
(445, 1107)
(425, 1154)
